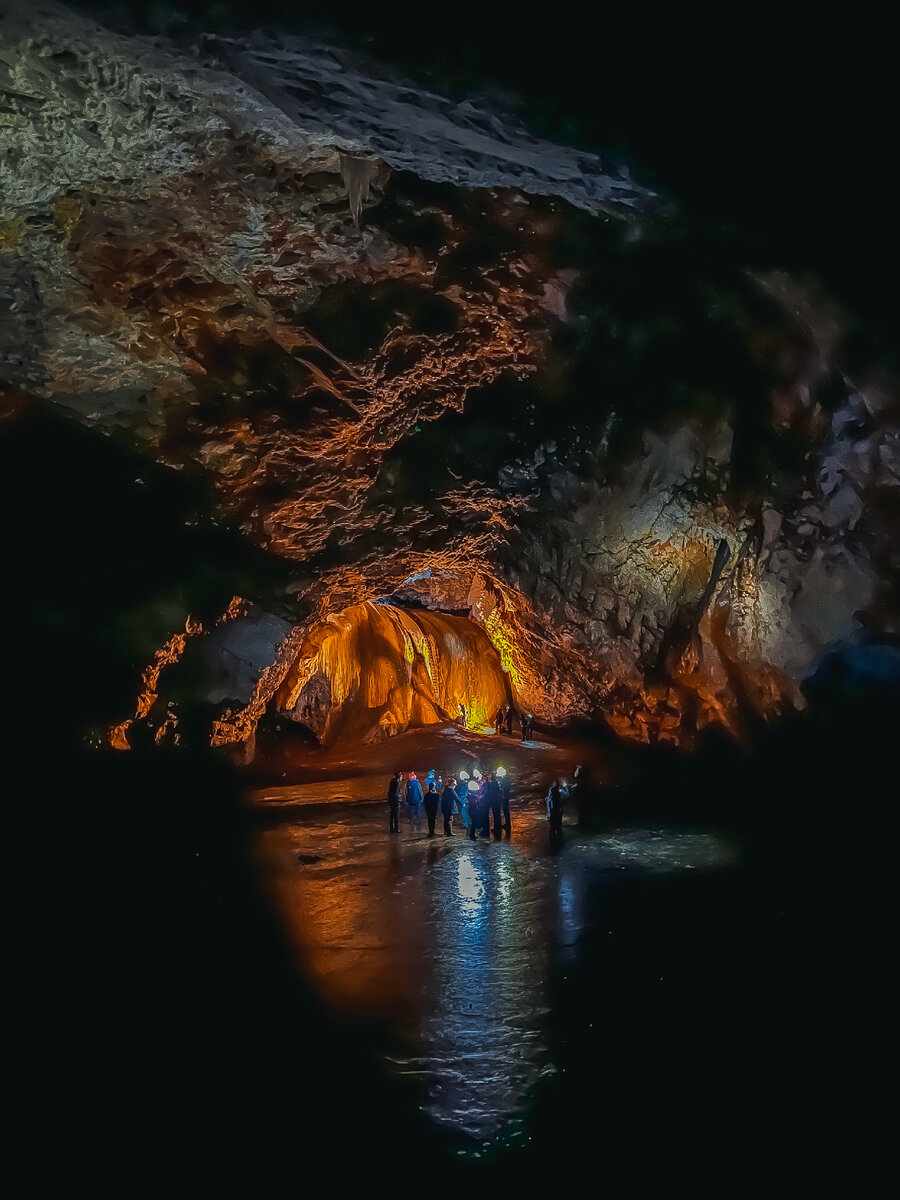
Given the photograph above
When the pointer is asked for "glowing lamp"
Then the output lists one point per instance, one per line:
(476, 774)
(501, 771)
(463, 775)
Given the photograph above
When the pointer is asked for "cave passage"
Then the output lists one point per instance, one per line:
(375, 670)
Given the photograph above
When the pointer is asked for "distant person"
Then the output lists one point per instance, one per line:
(414, 796)
(505, 788)
(463, 716)
(431, 806)
(499, 720)
(509, 713)
(393, 798)
(527, 727)
(449, 805)
(462, 790)
(556, 801)
(494, 802)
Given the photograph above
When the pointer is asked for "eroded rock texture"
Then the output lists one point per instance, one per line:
(424, 356)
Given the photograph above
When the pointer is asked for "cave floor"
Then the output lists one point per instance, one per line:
(444, 949)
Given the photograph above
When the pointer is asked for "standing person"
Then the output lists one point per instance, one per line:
(510, 713)
(474, 803)
(556, 799)
(449, 805)
(505, 786)
(414, 800)
(431, 806)
(462, 789)
(484, 808)
(393, 798)
(499, 719)
(494, 801)
(527, 725)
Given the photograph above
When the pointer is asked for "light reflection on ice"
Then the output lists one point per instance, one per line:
(456, 935)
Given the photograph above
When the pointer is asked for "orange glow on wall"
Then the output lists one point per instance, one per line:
(374, 670)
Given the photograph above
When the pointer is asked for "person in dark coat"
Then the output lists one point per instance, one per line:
(527, 726)
(510, 713)
(499, 720)
(449, 805)
(393, 798)
(431, 806)
(556, 799)
(484, 807)
(414, 800)
(494, 802)
(505, 785)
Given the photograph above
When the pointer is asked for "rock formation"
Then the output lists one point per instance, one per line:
(427, 358)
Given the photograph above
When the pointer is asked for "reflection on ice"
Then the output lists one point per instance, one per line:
(478, 1035)
(469, 885)
(447, 942)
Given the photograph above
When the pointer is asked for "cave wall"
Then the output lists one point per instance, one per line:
(349, 310)
(374, 670)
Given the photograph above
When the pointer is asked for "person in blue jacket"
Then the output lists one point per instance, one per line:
(462, 790)
(414, 798)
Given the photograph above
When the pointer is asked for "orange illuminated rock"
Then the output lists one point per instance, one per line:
(374, 670)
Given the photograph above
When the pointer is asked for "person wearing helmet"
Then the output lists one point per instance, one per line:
(462, 790)
(414, 797)
(431, 805)
(449, 805)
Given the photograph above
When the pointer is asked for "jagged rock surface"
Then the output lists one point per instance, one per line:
(205, 253)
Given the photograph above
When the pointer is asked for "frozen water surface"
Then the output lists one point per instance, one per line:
(443, 945)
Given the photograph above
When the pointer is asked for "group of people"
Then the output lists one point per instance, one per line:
(503, 722)
(480, 801)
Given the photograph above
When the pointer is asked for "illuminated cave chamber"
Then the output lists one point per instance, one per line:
(375, 669)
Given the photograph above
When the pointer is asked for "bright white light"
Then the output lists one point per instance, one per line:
(463, 775)
(468, 884)
(501, 771)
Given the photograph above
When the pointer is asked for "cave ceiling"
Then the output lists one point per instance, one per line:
(417, 353)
